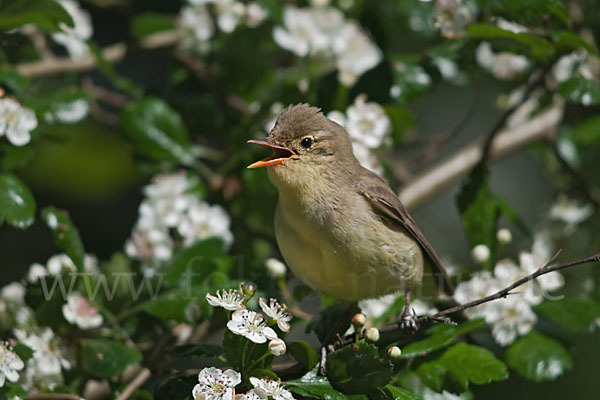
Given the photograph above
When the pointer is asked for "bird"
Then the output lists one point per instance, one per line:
(339, 226)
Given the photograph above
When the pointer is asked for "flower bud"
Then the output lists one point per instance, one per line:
(480, 253)
(394, 352)
(358, 321)
(248, 288)
(275, 268)
(372, 335)
(277, 347)
(504, 236)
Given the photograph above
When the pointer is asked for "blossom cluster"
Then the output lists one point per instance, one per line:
(369, 127)
(74, 38)
(16, 121)
(173, 215)
(511, 317)
(196, 26)
(325, 34)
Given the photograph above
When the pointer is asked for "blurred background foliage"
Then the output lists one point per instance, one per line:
(149, 95)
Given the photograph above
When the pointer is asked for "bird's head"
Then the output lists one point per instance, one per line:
(305, 144)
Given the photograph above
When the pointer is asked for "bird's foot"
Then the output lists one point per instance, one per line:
(408, 321)
(323, 357)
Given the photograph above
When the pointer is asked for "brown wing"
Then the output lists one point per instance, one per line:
(385, 201)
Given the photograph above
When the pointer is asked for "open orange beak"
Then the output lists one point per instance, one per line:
(280, 154)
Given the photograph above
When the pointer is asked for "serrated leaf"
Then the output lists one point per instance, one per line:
(17, 205)
(461, 365)
(441, 336)
(147, 23)
(195, 350)
(532, 46)
(357, 369)
(304, 354)
(107, 358)
(573, 314)
(66, 236)
(580, 90)
(45, 14)
(157, 131)
(538, 357)
(318, 387)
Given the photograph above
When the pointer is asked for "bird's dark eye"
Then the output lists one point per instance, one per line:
(306, 142)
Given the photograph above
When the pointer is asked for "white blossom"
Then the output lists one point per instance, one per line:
(80, 312)
(229, 13)
(480, 253)
(270, 389)
(447, 67)
(13, 293)
(251, 395)
(575, 63)
(47, 361)
(36, 271)
(503, 65)
(255, 14)
(10, 364)
(16, 122)
(203, 221)
(366, 158)
(277, 312)
(375, 308)
(356, 55)
(504, 236)
(372, 334)
(451, 17)
(510, 26)
(195, 27)
(251, 325)
(230, 300)
(394, 352)
(480, 285)
(275, 268)
(74, 38)
(215, 384)
(514, 318)
(571, 212)
(367, 123)
(277, 347)
(540, 254)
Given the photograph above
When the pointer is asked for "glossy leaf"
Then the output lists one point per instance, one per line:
(66, 236)
(358, 369)
(535, 47)
(573, 314)
(581, 90)
(177, 305)
(107, 358)
(318, 387)
(157, 131)
(441, 336)
(17, 205)
(567, 41)
(46, 14)
(461, 365)
(304, 354)
(538, 357)
(397, 393)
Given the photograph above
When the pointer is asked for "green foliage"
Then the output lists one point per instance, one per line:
(106, 358)
(412, 80)
(194, 350)
(46, 14)
(461, 365)
(573, 314)
(304, 354)
(581, 90)
(538, 357)
(17, 205)
(334, 315)
(13, 157)
(66, 235)
(313, 386)
(357, 369)
(245, 356)
(147, 23)
(587, 132)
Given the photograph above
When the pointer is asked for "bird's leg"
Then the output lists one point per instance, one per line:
(408, 321)
(326, 346)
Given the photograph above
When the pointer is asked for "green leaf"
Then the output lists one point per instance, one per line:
(587, 132)
(66, 235)
(580, 90)
(178, 305)
(12, 157)
(573, 314)
(532, 46)
(538, 357)
(17, 205)
(304, 354)
(567, 41)
(46, 14)
(441, 336)
(176, 387)
(403, 120)
(411, 79)
(107, 358)
(461, 365)
(318, 387)
(12, 391)
(398, 393)
(324, 323)
(194, 350)
(535, 12)
(357, 369)
(66, 106)
(194, 265)
(13, 80)
(24, 352)
(157, 131)
(147, 23)
(242, 354)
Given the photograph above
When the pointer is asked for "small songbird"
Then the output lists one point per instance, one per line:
(340, 227)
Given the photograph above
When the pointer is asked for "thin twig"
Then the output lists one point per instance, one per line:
(135, 384)
(441, 175)
(545, 269)
(54, 396)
